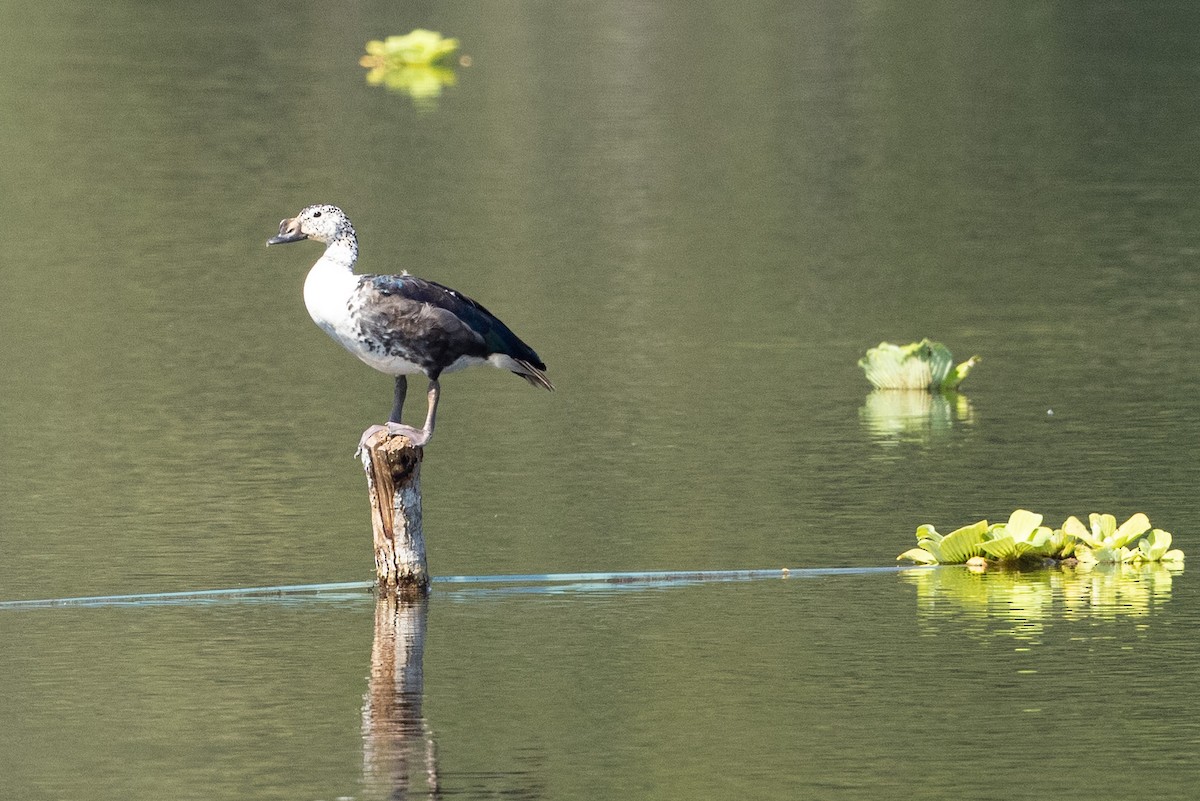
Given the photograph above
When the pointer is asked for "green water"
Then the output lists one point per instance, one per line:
(700, 215)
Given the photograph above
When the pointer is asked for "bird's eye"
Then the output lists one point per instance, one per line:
(316, 214)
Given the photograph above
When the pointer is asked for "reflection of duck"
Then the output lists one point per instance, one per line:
(400, 324)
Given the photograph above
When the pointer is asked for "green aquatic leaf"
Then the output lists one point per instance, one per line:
(1153, 547)
(1074, 527)
(891, 366)
(928, 532)
(1113, 555)
(918, 555)
(959, 373)
(932, 548)
(1130, 530)
(1060, 545)
(1157, 548)
(418, 64)
(1003, 548)
(1022, 523)
(1007, 549)
(1122, 555)
(1024, 538)
(1103, 526)
(1106, 555)
(1104, 532)
(954, 548)
(960, 545)
(928, 546)
(421, 47)
(1040, 541)
(920, 365)
(939, 358)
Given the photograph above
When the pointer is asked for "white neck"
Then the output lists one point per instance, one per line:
(342, 251)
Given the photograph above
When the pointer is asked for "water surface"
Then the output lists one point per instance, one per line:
(700, 215)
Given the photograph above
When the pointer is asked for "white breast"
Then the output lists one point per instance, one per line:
(327, 293)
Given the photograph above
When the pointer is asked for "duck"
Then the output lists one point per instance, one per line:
(401, 325)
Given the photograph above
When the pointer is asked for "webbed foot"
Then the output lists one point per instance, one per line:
(417, 436)
(366, 435)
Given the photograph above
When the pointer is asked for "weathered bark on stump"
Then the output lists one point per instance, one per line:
(393, 468)
(399, 752)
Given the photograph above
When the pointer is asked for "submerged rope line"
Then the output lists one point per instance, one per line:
(664, 575)
(192, 595)
(650, 577)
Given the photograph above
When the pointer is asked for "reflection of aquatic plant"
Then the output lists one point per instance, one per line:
(1106, 591)
(920, 365)
(1126, 589)
(914, 414)
(419, 64)
(1024, 539)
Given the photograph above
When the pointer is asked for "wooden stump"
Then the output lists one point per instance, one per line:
(393, 468)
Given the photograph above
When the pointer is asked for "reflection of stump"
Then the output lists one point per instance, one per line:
(397, 744)
(393, 468)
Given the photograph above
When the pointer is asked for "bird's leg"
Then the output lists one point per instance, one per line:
(421, 437)
(394, 418)
(398, 402)
(435, 392)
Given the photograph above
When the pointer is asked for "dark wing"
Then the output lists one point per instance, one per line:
(449, 307)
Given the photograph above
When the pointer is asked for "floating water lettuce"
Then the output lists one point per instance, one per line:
(1157, 548)
(1024, 536)
(921, 365)
(419, 48)
(954, 548)
(419, 64)
(1024, 539)
(1105, 541)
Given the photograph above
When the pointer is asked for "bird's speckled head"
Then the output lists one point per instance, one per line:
(321, 222)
